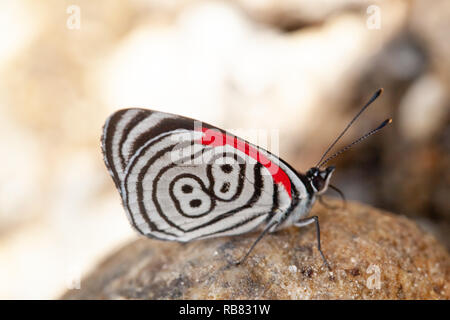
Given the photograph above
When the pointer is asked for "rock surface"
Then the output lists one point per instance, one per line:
(373, 255)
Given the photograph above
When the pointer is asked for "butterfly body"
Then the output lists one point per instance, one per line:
(183, 180)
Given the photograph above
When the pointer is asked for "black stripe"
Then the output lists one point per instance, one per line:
(140, 116)
(304, 180)
(275, 202)
(150, 224)
(165, 125)
(235, 226)
(107, 139)
(295, 201)
(154, 198)
(295, 198)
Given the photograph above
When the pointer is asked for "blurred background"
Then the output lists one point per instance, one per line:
(301, 67)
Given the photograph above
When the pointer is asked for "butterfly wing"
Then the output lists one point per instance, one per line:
(181, 179)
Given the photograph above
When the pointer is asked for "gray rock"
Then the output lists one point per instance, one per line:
(373, 254)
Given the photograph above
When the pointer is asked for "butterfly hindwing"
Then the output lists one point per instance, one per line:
(182, 181)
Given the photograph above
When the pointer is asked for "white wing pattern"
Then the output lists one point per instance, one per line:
(181, 179)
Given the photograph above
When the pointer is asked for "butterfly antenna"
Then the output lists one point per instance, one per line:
(374, 97)
(381, 126)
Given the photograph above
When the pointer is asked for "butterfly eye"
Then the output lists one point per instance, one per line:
(318, 183)
(312, 173)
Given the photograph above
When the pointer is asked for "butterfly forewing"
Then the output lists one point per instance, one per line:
(182, 180)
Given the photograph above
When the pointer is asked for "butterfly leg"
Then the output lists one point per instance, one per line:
(262, 234)
(305, 222)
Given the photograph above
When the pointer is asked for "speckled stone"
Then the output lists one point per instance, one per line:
(362, 244)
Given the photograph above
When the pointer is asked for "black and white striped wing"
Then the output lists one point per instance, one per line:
(180, 179)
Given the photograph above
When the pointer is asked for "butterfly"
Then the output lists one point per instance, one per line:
(182, 180)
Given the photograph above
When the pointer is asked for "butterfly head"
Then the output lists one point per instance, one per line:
(319, 179)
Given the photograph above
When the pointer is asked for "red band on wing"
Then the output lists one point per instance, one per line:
(217, 139)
